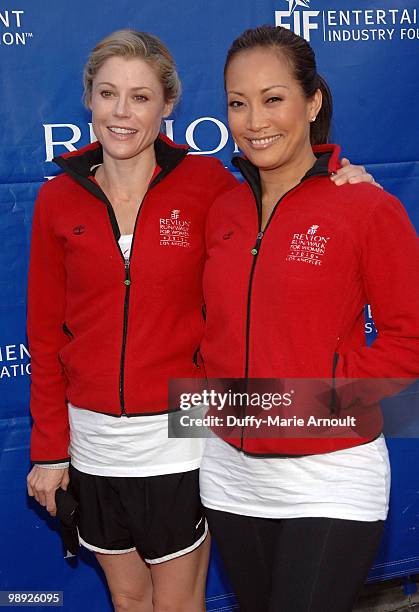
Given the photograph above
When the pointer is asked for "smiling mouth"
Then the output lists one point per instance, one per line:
(121, 131)
(263, 143)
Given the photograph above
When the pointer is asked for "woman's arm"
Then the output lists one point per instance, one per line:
(46, 310)
(46, 315)
(390, 273)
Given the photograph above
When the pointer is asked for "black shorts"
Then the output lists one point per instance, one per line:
(159, 516)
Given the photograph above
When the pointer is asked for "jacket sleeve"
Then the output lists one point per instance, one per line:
(46, 308)
(390, 272)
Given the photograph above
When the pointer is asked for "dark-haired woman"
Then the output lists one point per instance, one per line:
(298, 521)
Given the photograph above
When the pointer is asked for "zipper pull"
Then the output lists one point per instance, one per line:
(255, 249)
(127, 280)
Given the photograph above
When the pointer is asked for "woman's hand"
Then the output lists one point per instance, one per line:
(352, 174)
(42, 484)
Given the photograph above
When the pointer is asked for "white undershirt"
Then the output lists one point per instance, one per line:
(106, 445)
(351, 484)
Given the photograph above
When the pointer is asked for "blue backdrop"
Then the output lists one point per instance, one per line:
(368, 51)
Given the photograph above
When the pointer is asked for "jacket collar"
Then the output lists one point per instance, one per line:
(78, 164)
(327, 163)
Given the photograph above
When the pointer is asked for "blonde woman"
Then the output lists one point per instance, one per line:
(114, 312)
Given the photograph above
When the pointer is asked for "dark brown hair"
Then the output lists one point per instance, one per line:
(302, 61)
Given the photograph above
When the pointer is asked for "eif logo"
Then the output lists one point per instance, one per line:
(300, 21)
(312, 230)
(175, 214)
(350, 25)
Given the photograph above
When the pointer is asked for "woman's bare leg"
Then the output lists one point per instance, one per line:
(179, 585)
(129, 581)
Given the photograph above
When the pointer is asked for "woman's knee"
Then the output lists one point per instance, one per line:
(123, 602)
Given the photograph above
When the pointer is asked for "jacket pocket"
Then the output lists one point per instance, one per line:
(334, 406)
(67, 331)
(196, 359)
(63, 353)
(198, 362)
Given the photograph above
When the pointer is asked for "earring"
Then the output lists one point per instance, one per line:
(313, 119)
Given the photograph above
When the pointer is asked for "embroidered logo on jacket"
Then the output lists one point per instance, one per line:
(175, 231)
(309, 247)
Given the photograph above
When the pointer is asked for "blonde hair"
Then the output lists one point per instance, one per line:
(132, 44)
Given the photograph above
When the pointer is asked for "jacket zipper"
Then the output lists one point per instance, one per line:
(255, 252)
(127, 283)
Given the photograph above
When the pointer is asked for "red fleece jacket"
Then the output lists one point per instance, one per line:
(105, 336)
(290, 303)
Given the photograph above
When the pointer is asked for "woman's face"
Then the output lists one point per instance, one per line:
(269, 115)
(127, 106)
